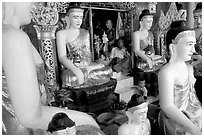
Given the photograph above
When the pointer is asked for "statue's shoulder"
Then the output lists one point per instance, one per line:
(85, 31)
(62, 32)
(137, 34)
(167, 70)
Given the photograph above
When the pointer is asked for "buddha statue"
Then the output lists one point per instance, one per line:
(138, 123)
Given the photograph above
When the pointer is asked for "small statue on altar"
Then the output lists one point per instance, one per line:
(138, 123)
(104, 45)
(97, 43)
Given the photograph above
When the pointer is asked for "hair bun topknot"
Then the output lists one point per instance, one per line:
(145, 12)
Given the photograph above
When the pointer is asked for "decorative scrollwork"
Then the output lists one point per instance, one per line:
(62, 7)
(47, 49)
(172, 15)
(44, 15)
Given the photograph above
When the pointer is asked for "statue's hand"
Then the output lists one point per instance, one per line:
(150, 63)
(80, 76)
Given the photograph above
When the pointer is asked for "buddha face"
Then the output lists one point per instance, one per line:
(76, 18)
(186, 48)
(147, 22)
(140, 115)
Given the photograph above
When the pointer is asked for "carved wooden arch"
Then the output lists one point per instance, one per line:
(164, 24)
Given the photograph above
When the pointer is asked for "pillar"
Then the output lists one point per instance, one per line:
(46, 38)
(46, 17)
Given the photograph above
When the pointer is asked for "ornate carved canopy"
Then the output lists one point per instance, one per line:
(172, 15)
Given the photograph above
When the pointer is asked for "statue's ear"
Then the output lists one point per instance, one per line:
(172, 52)
(67, 21)
(171, 48)
(140, 22)
(130, 116)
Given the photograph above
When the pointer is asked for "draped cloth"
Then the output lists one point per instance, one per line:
(79, 49)
(186, 101)
(79, 53)
(146, 45)
(119, 26)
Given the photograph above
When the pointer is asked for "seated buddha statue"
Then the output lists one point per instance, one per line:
(73, 47)
(143, 47)
(181, 111)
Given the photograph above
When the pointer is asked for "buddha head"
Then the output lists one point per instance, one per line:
(74, 15)
(137, 109)
(138, 113)
(146, 19)
(181, 42)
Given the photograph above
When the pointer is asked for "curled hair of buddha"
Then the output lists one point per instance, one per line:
(145, 13)
(60, 121)
(175, 28)
(198, 8)
(74, 6)
(135, 100)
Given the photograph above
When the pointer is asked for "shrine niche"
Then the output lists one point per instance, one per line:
(95, 16)
(173, 14)
(50, 17)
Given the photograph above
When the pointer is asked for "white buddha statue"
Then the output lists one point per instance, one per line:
(138, 123)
